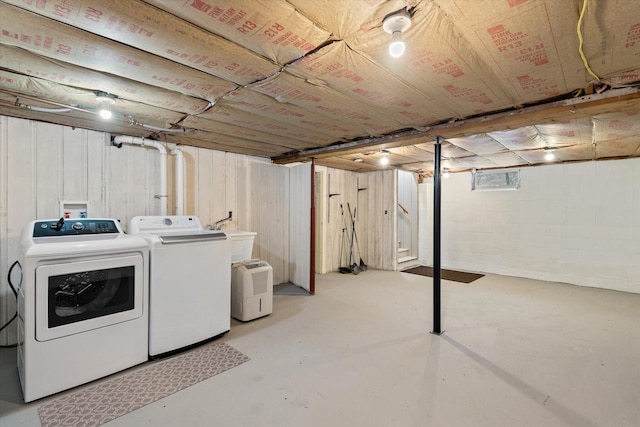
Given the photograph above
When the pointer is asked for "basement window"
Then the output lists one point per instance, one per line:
(508, 179)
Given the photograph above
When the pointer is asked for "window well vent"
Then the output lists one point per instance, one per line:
(508, 179)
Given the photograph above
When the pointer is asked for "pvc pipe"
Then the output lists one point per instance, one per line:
(176, 130)
(49, 110)
(134, 140)
(179, 180)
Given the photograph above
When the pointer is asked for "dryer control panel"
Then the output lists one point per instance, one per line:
(74, 227)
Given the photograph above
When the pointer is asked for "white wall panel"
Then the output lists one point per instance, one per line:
(408, 222)
(217, 196)
(97, 143)
(7, 252)
(21, 205)
(191, 171)
(382, 219)
(231, 188)
(205, 187)
(263, 208)
(425, 215)
(320, 219)
(74, 163)
(300, 225)
(49, 142)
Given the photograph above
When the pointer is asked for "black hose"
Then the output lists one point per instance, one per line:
(15, 292)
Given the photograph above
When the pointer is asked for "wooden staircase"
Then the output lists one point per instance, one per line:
(404, 256)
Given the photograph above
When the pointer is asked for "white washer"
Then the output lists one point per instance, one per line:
(190, 281)
(82, 304)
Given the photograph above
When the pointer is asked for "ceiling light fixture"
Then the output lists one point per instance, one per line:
(395, 24)
(549, 156)
(384, 160)
(357, 160)
(106, 100)
(445, 173)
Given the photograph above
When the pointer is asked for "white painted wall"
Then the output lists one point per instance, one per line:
(425, 222)
(576, 223)
(408, 222)
(42, 164)
(300, 225)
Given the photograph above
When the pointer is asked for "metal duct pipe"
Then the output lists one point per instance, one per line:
(48, 110)
(179, 180)
(134, 140)
(176, 130)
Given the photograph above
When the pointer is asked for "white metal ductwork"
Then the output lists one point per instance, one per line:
(134, 140)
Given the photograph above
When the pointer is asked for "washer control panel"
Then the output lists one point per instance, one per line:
(74, 227)
(163, 224)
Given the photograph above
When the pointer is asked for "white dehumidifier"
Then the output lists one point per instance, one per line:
(251, 290)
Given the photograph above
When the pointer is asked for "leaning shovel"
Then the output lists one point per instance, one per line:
(363, 266)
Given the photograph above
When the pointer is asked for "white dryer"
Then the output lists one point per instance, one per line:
(82, 304)
(190, 281)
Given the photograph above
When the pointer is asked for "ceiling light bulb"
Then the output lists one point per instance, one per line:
(105, 114)
(395, 24)
(396, 48)
(106, 100)
(357, 160)
(548, 153)
(384, 161)
(445, 174)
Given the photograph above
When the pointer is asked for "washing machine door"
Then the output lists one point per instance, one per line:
(75, 297)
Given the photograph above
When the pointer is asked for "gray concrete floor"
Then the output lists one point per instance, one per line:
(515, 352)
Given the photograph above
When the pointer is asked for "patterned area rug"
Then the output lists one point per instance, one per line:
(100, 403)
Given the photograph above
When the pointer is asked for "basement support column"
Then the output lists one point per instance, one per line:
(437, 181)
(312, 251)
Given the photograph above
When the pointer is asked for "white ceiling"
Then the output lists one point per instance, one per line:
(498, 80)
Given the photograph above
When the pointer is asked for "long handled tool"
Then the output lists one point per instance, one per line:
(342, 269)
(355, 269)
(363, 266)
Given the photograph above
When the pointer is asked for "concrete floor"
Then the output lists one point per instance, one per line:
(515, 352)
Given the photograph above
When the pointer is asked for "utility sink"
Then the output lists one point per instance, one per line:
(241, 244)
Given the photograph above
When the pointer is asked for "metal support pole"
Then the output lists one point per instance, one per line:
(437, 180)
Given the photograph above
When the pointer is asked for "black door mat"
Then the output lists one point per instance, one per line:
(456, 276)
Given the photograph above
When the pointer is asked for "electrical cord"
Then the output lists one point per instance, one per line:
(579, 29)
(15, 293)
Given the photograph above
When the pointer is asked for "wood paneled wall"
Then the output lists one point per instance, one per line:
(341, 189)
(381, 209)
(42, 164)
(300, 225)
(372, 196)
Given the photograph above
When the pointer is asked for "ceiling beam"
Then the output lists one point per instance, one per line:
(614, 100)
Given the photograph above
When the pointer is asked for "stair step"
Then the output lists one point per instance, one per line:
(406, 259)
